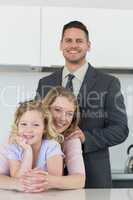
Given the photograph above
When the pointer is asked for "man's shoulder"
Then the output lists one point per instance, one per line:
(52, 76)
(104, 76)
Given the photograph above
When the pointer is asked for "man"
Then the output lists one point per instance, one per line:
(103, 115)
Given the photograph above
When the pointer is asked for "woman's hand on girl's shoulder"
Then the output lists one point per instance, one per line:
(78, 133)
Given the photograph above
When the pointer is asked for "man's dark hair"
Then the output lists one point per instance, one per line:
(76, 24)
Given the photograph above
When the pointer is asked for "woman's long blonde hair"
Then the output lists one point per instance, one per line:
(63, 92)
(49, 130)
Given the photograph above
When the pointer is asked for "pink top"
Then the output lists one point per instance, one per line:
(73, 156)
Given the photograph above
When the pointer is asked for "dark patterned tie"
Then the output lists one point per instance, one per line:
(69, 84)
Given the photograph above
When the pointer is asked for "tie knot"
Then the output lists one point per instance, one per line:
(69, 84)
(70, 76)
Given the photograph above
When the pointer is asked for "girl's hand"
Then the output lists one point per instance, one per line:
(20, 140)
(17, 185)
(35, 180)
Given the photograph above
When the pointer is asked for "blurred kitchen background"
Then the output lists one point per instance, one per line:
(30, 32)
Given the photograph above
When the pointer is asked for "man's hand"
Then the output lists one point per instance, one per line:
(78, 133)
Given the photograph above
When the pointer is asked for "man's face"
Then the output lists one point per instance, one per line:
(74, 46)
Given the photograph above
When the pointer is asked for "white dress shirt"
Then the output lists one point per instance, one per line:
(77, 80)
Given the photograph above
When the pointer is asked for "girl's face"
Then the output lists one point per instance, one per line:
(62, 112)
(31, 127)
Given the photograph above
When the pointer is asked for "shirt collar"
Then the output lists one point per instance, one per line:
(79, 73)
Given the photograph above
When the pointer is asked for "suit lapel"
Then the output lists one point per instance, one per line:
(57, 78)
(88, 82)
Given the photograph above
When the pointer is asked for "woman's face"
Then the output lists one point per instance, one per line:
(62, 112)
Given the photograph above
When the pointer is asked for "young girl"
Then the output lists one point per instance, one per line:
(34, 141)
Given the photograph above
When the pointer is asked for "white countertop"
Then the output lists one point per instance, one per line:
(84, 194)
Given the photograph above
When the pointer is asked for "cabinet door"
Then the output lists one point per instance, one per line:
(19, 35)
(111, 35)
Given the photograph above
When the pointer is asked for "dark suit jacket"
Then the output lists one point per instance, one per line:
(103, 120)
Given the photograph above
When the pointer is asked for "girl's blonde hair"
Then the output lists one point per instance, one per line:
(63, 92)
(49, 130)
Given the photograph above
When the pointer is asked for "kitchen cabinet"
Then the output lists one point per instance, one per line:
(110, 35)
(122, 180)
(30, 35)
(19, 35)
(121, 175)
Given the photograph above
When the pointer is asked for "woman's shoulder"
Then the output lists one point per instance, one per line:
(72, 144)
(73, 141)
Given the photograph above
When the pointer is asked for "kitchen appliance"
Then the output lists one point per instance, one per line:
(129, 162)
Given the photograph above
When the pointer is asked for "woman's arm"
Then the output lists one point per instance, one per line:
(75, 165)
(75, 181)
(55, 165)
(73, 156)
